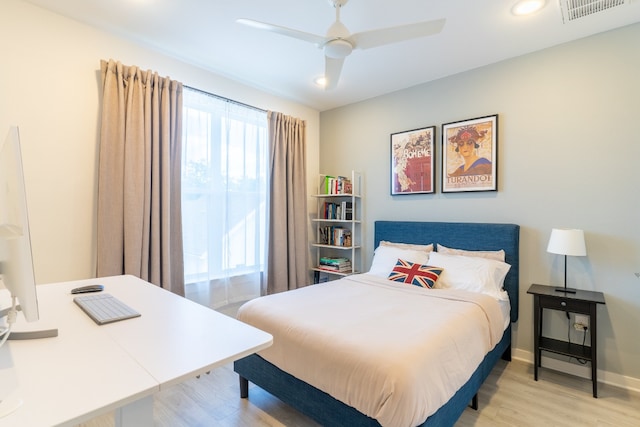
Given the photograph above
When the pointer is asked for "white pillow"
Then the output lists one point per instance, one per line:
(471, 274)
(426, 248)
(386, 257)
(497, 255)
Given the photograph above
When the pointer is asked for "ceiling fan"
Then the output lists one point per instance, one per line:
(338, 43)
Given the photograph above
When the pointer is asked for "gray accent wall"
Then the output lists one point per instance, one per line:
(569, 149)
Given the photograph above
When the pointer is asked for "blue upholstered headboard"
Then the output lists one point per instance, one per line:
(469, 236)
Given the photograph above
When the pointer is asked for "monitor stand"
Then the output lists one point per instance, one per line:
(23, 330)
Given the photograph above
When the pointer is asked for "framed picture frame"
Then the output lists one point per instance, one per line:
(470, 155)
(413, 161)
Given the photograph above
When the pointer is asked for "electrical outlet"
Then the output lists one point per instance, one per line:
(581, 322)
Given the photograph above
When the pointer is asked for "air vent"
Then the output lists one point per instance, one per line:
(576, 9)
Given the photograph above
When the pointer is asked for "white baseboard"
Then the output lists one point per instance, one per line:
(583, 371)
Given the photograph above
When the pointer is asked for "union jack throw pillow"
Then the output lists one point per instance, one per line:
(424, 276)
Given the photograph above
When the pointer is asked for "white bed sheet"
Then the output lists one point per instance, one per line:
(505, 309)
(394, 352)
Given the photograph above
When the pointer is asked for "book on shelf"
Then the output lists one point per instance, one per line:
(325, 260)
(340, 184)
(335, 269)
(346, 211)
(335, 264)
(331, 210)
(347, 240)
(326, 184)
(341, 236)
(335, 185)
(335, 236)
(340, 211)
(323, 277)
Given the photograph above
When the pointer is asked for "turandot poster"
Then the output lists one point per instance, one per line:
(470, 155)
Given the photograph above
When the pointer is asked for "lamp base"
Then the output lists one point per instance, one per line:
(565, 290)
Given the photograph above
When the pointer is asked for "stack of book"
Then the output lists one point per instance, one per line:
(338, 265)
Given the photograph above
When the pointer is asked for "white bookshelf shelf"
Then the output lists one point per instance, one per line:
(338, 224)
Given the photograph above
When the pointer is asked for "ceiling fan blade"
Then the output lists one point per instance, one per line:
(332, 70)
(374, 38)
(289, 32)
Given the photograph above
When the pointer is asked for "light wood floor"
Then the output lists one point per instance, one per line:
(509, 397)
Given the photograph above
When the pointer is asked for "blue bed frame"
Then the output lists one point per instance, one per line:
(328, 411)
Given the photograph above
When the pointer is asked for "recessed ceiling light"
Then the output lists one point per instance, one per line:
(527, 7)
(320, 81)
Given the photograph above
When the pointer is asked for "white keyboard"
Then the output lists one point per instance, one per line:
(105, 308)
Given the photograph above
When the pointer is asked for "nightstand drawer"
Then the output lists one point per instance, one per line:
(564, 304)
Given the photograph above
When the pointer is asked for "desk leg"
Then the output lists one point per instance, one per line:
(594, 349)
(138, 413)
(537, 328)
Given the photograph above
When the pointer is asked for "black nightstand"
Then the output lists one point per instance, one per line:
(581, 302)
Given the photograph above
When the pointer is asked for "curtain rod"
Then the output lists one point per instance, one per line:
(225, 99)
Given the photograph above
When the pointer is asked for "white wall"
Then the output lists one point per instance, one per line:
(568, 150)
(49, 86)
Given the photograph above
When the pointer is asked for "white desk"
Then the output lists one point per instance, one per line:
(89, 370)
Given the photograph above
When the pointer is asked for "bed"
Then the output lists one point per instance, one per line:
(330, 411)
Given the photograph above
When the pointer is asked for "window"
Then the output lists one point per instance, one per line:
(224, 196)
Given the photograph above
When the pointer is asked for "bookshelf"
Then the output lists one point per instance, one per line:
(338, 226)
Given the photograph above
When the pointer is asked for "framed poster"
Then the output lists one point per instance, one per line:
(412, 161)
(470, 155)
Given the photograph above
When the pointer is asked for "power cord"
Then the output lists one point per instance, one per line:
(584, 338)
(12, 314)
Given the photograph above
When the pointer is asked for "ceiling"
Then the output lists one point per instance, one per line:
(205, 33)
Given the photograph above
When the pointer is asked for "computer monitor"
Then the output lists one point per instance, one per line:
(16, 264)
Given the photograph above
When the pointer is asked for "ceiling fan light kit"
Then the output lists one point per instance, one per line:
(337, 3)
(338, 49)
(338, 43)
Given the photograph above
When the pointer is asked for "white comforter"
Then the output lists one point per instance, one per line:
(394, 352)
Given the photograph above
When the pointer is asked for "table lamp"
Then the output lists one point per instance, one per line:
(564, 241)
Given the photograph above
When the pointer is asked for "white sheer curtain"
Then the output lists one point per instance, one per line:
(224, 199)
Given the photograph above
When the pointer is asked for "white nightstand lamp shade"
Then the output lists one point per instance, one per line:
(565, 241)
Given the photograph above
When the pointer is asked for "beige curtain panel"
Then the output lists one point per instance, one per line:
(288, 244)
(139, 214)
